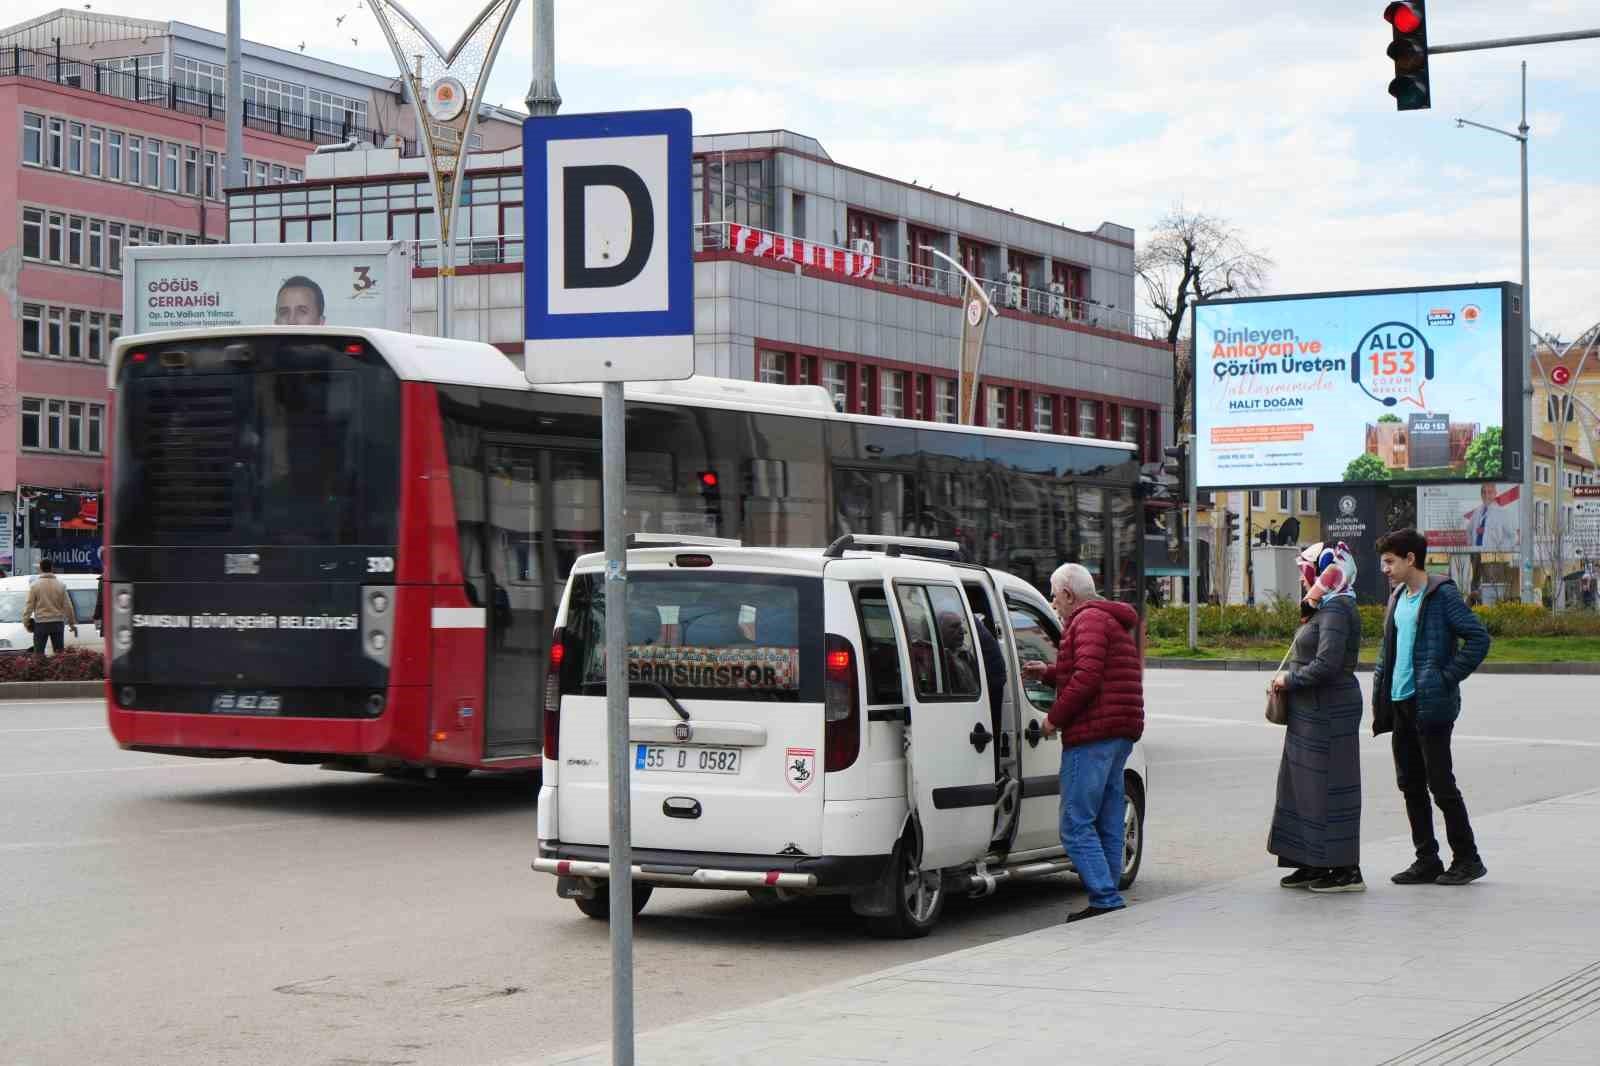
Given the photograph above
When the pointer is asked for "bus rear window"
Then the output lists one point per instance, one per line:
(703, 636)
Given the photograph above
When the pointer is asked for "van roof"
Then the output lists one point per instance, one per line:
(794, 560)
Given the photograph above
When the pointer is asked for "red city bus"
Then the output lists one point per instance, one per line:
(347, 546)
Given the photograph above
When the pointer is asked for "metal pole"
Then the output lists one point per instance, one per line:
(1513, 42)
(1555, 505)
(233, 104)
(1194, 558)
(1527, 366)
(543, 99)
(613, 459)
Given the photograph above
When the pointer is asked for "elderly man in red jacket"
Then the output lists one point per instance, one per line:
(1099, 711)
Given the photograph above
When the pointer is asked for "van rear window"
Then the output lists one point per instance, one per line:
(703, 635)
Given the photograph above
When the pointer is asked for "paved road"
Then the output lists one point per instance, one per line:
(159, 910)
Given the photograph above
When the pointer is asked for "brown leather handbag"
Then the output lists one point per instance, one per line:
(1278, 702)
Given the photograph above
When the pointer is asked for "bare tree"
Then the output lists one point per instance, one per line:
(1193, 256)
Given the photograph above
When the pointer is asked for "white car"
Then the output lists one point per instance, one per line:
(810, 721)
(84, 589)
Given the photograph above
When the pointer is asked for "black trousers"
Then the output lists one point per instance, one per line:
(54, 632)
(1423, 765)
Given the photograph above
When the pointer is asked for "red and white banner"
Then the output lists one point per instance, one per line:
(747, 240)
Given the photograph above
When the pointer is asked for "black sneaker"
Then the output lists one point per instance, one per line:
(1461, 873)
(1091, 912)
(1419, 873)
(1303, 877)
(1345, 880)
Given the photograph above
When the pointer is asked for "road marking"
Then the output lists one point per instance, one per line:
(1554, 742)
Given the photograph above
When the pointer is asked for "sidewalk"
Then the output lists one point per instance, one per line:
(1503, 971)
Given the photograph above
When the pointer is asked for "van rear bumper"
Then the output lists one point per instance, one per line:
(687, 869)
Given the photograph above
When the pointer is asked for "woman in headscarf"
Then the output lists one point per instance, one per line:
(1316, 826)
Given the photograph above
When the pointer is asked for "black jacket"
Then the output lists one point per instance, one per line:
(1451, 643)
(994, 671)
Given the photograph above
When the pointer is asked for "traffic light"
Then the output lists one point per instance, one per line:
(1409, 50)
(1230, 520)
(711, 497)
(1177, 466)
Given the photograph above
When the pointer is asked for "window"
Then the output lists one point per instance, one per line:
(171, 184)
(836, 379)
(279, 174)
(1542, 516)
(75, 147)
(152, 163)
(999, 406)
(97, 417)
(32, 139)
(54, 410)
(211, 176)
(892, 394)
(1258, 501)
(261, 173)
(1088, 418)
(55, 246)
(114, 155)
(191, 171)
(1132, 423)
(32, 233)
(75, 240)
(56, 146)
(74, 426)
(74, 334)
(135, 158)
(97, 325)
(97, 141)
(798, 215)
(32, 328)
(880, 646)
(52, 332)
(1283, 500)
(114, 247)
(944, 400)
(944, 662)
(1038, 638)
(296, 177)
(32, 416)
(1308, 501)
(113, 329)
(333, 109)
(200, 77)
(1541, 474)
(97, 240)
(775, 368)
(1043, 414)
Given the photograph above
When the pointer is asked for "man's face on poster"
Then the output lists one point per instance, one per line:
(297, 306)
(1487, 493)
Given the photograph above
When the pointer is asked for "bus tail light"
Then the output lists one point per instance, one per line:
(119, 619)
(377, 623)
(841, 690)
(552, 694)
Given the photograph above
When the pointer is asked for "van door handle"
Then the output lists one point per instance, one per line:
(1033, 733)
(980, 737)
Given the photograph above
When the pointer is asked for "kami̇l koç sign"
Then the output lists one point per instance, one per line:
(1357, 388)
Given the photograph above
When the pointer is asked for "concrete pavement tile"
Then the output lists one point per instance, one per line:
(1340, 1051)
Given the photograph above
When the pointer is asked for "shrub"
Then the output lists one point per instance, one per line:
(74, 664)
(1278, 621)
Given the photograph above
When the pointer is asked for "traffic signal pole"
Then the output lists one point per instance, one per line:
(1194, 534)
(1513, 42)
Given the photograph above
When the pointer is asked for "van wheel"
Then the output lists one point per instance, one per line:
(599, 905)
(1132, 831)
(917, 895)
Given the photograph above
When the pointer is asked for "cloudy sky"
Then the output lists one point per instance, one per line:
(1274, 116)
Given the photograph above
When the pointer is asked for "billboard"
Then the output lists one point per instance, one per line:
(207, 286)
(1358, 388)
(1471, 518)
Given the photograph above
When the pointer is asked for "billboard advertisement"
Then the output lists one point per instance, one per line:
(1471, 518)
(1357, 388)
(209, 286)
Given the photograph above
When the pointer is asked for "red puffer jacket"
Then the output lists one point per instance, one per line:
(1099, 675)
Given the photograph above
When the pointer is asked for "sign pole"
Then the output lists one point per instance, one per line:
(613, 459)
(1194, 532)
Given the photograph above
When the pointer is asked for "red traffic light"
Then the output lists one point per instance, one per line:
(708, 479)
(1404, 17)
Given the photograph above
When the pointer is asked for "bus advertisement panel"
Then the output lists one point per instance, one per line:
(1357, 388)
(204, 287)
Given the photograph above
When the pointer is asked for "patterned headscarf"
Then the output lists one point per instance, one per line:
(1328, 570)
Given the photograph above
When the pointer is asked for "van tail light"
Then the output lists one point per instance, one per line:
(841, 688)
(552, 694)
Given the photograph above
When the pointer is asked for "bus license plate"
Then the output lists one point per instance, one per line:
(686, 759)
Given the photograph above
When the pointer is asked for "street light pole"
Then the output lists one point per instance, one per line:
(1521, 137)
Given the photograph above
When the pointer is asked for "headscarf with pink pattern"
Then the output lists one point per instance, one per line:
(1328, 570)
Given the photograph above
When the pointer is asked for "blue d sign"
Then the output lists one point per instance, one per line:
(609, 284)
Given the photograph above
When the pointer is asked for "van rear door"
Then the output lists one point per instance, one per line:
(726, 720)
(951, 763)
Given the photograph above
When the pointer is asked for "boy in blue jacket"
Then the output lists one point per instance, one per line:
(1431, 643)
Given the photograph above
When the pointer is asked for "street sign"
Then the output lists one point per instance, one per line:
(609, 278)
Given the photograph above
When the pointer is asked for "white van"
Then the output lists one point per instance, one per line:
(810, 721)
(84, 589)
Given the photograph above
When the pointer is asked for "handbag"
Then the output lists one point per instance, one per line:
(1278, 702)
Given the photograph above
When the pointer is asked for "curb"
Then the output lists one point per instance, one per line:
(1582, 668)
(51, 690)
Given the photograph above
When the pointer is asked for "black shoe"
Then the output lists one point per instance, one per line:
(1461, 873)
(1419, 873)
(1091, 912)
(1347, 879)
(1303, 877)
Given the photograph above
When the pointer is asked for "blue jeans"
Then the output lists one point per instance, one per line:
(1091, 815)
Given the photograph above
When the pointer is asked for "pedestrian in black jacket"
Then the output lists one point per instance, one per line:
(1431, 643)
